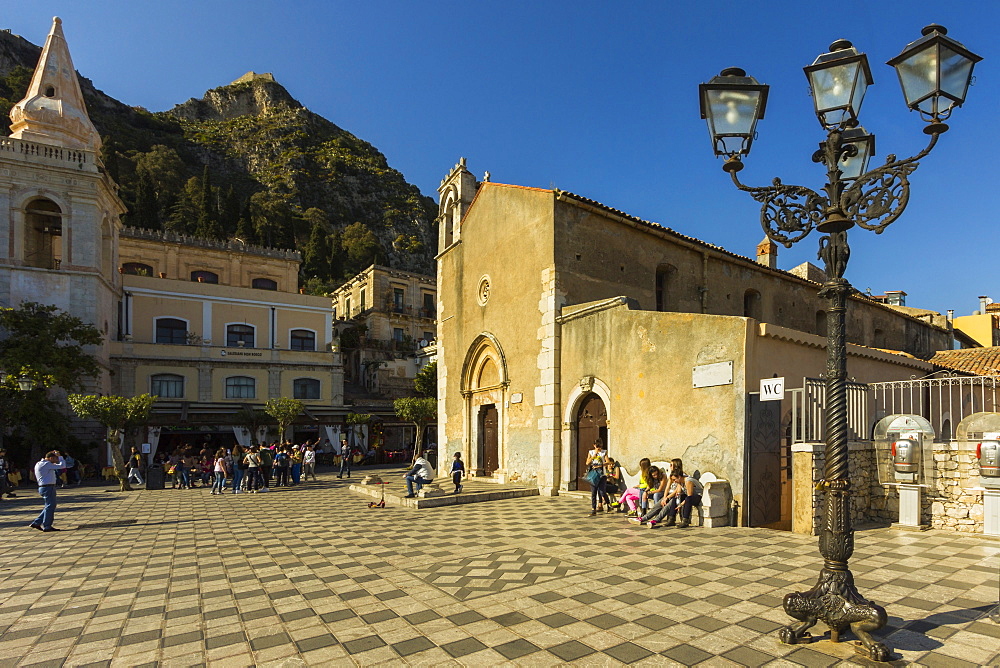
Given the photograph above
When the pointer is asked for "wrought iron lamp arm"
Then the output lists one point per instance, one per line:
(877, 198)
(787, 213)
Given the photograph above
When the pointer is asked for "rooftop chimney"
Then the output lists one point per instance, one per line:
(895, 297)
(984, 301)
(767, 253)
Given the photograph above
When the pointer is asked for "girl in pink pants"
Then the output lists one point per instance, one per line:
(630, 497)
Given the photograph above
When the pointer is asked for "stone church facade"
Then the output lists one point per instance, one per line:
(561, 321)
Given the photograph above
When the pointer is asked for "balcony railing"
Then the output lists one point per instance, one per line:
(55, 154)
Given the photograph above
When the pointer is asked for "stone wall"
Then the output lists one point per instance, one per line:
(948, 502)
(870, 501)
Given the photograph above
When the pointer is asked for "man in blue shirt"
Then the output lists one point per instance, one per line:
(46, 473)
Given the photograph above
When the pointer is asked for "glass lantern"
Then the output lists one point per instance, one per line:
(838, 81)
(732, 103)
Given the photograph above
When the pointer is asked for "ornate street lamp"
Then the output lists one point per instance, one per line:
(25, 383)
(732, 103)
(935, 72)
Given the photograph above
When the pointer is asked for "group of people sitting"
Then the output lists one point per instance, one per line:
(657, 499)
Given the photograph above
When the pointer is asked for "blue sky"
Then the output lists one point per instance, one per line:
(599, 98)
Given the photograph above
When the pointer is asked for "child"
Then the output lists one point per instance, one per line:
(457, 471)
(207, 467)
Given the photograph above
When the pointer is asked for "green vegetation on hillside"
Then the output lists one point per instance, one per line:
(249, 161)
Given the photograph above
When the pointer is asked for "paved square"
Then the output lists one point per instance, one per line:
(472, 577)
(309, 576)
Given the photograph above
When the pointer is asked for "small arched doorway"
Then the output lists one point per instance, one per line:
(591, 425)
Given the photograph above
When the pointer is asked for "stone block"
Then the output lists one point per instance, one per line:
(716, 503)
(431, 490)
(957, 513)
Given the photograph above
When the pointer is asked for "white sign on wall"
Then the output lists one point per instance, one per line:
(710, 375)
(772, 389)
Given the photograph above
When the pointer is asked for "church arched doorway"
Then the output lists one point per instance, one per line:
(484, 386)
(591, 425)
(489, 439)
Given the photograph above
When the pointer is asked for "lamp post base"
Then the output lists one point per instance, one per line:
(836, 602)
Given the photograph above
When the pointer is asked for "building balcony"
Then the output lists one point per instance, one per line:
(21, 150)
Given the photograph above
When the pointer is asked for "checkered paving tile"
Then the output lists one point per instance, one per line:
(492, 573)
(309, 575)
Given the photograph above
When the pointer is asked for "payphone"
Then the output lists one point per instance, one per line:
(978, 435)
(904, 456)
(905, 452)
(988, 454)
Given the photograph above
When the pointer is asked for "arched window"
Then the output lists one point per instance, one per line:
(202, 276)
(137, 269)
(879, 338)
(302, 339)
(171, 330)
(448, 226)
(167, 386)
(43, 234)
(821, 323)
(751, 305)
(239, 336)
(305, 388)
(264, 284)
(241, 387)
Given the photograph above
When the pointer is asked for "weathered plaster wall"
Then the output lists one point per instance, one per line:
(646, 359)
(600, 255)
(796, 355)
(506, 240)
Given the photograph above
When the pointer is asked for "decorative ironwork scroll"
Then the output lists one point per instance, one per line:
(787, 213)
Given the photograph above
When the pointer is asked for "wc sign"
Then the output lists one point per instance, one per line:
(772, 389)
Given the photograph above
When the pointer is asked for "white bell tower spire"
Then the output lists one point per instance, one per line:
(53, 111)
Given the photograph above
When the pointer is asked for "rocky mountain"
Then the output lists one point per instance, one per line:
(249, 160)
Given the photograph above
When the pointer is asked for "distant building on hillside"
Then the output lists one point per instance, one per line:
(386, 318)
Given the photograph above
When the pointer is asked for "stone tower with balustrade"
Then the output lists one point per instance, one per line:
(59, 210)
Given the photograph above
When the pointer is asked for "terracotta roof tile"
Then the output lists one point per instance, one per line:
(978, 361)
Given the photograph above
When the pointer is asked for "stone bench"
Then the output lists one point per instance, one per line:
(716, 501)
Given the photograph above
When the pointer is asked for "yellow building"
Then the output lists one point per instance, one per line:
(982, 326)
(212, 326)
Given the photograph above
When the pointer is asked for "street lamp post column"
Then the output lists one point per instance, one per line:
(935, 72)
